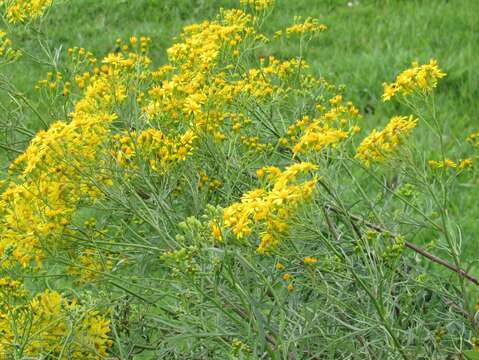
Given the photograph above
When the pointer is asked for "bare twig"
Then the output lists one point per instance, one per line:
(413, 247)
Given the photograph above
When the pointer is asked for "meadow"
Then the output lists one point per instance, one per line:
(190, 197)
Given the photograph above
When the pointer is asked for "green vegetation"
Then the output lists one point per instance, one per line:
(367, 43)
(191, 218)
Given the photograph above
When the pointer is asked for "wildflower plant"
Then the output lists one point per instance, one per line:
(224, 205)
(21, 11)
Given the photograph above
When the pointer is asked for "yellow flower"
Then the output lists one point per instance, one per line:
(258, 5)
(474, 138)
(317, 138)
(465, 163)
(216, 231)
(50, 319)
(379, 144)
(309, 25)
(446, 163)
(24, 10)
(419, 78)
(151, 146)
(65, 166)
(270, 208)
(260, 173)
(310, 260)
(7, 53)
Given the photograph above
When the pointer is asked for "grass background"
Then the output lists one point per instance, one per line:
(366, 44)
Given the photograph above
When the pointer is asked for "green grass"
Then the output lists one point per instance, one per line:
(366, 44)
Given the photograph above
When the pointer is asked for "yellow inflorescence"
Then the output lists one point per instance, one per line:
(419, 78)
(202, 43)
(194, 87)
(310, 260)
(258, 5)
(90, 265)
(317, 137)
(308, 26)
(54, 173)
(50, 324)
(335, 124)
(54, 82)
(448, 163)
(198, 87)
(64, 165)
(7, 53)
(198, 92)
(19, 11)
(151, 145)
(271, 206)
(474, 139)
(379, 144)
(210, 184)
(39, 204)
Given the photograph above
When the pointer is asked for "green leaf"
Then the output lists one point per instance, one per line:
(471, 354)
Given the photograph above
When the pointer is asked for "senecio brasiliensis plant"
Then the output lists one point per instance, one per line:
(225, 205)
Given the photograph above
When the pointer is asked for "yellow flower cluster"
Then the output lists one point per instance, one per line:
(80, 55)
(202, 43)
(151, 145)
(140, 45)
(474, 139)
(201, 87)
(308, 134)
(310, 260)
(239, 121)
(193, 88)
(201, 92)
(448, 163)
(258, 5)
(19, 11)
(295, 130)
(64, 165)
(378, 144)
(308, 26)
(90, 264)
(338, 110)
(253, 143)
(282, 69)
(419, 78)
(208, 183)
(7, 53)
(318, 137)
(271, 206)
(49, 324)
(53, 82)
(53, 174)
